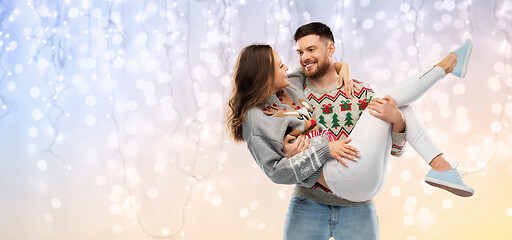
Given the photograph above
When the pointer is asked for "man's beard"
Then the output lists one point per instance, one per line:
(322, 68)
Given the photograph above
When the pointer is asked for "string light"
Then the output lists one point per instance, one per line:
(5, 14)
(411, 14)
(503, 23)
(53, 43)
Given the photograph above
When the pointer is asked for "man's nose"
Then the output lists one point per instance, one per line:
(305, 56)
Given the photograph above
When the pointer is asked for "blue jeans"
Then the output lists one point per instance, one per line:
(310, 220)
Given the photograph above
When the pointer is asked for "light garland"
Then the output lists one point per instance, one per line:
(5, 14)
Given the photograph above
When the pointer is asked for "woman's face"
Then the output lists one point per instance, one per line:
(280, 80)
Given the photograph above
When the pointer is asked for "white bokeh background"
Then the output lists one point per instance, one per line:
(111, 115)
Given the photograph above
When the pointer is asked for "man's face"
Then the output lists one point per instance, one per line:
(314, 53)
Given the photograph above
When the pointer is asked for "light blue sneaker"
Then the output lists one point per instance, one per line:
(450, 181)
(463, 54)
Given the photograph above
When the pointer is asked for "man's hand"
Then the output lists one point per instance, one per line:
(341, 149)
(293, 145)
(385, 109)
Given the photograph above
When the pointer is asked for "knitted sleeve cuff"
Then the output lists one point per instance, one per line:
(321, 144)
(311, 180)
(398, 141)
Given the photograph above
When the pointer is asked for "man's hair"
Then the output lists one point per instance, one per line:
(314, 28)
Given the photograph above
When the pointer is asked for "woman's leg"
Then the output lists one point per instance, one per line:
(417, 135)
(412, 89)
(418, 138)
(361, 180)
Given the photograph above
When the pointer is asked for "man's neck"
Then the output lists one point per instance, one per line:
(327, 80)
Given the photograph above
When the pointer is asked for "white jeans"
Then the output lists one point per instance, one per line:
(362, 180)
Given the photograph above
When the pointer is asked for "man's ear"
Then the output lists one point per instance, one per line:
(331, 48)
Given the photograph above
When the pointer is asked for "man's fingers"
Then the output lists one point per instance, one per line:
(379, 100)
(374, 113)
(340, 159)
(349, 157)
(375, 104)
(374, 109)
(352, 148)
(352, 155)
(388, 98)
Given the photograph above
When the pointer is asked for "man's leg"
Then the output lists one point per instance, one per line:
(356, 223)
(307, 220)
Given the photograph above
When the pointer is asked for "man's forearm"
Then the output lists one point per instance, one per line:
(399, 124)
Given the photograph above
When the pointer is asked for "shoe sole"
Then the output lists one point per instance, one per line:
(456, 191)
(466, 60)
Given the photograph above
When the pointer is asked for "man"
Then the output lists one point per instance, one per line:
(316, 213)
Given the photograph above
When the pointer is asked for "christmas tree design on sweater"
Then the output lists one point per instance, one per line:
(335, 110)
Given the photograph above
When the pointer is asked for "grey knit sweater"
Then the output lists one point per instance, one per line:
(265, 127)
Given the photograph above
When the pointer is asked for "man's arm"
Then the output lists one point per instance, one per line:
(386, 109)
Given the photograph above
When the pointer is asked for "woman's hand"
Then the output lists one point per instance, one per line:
(341, 149)
(293, 145)
(385, 109)
(344, 78)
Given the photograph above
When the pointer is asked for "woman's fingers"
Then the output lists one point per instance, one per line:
(302, 143)
(306, 145)
(289, 138)
(348, 86)
(351, 87)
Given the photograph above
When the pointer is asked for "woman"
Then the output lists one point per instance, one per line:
(264, 108)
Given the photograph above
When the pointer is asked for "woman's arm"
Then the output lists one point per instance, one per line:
(301, 169)
(337, 149)
(344, 77)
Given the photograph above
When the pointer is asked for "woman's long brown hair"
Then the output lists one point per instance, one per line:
(251, 87)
